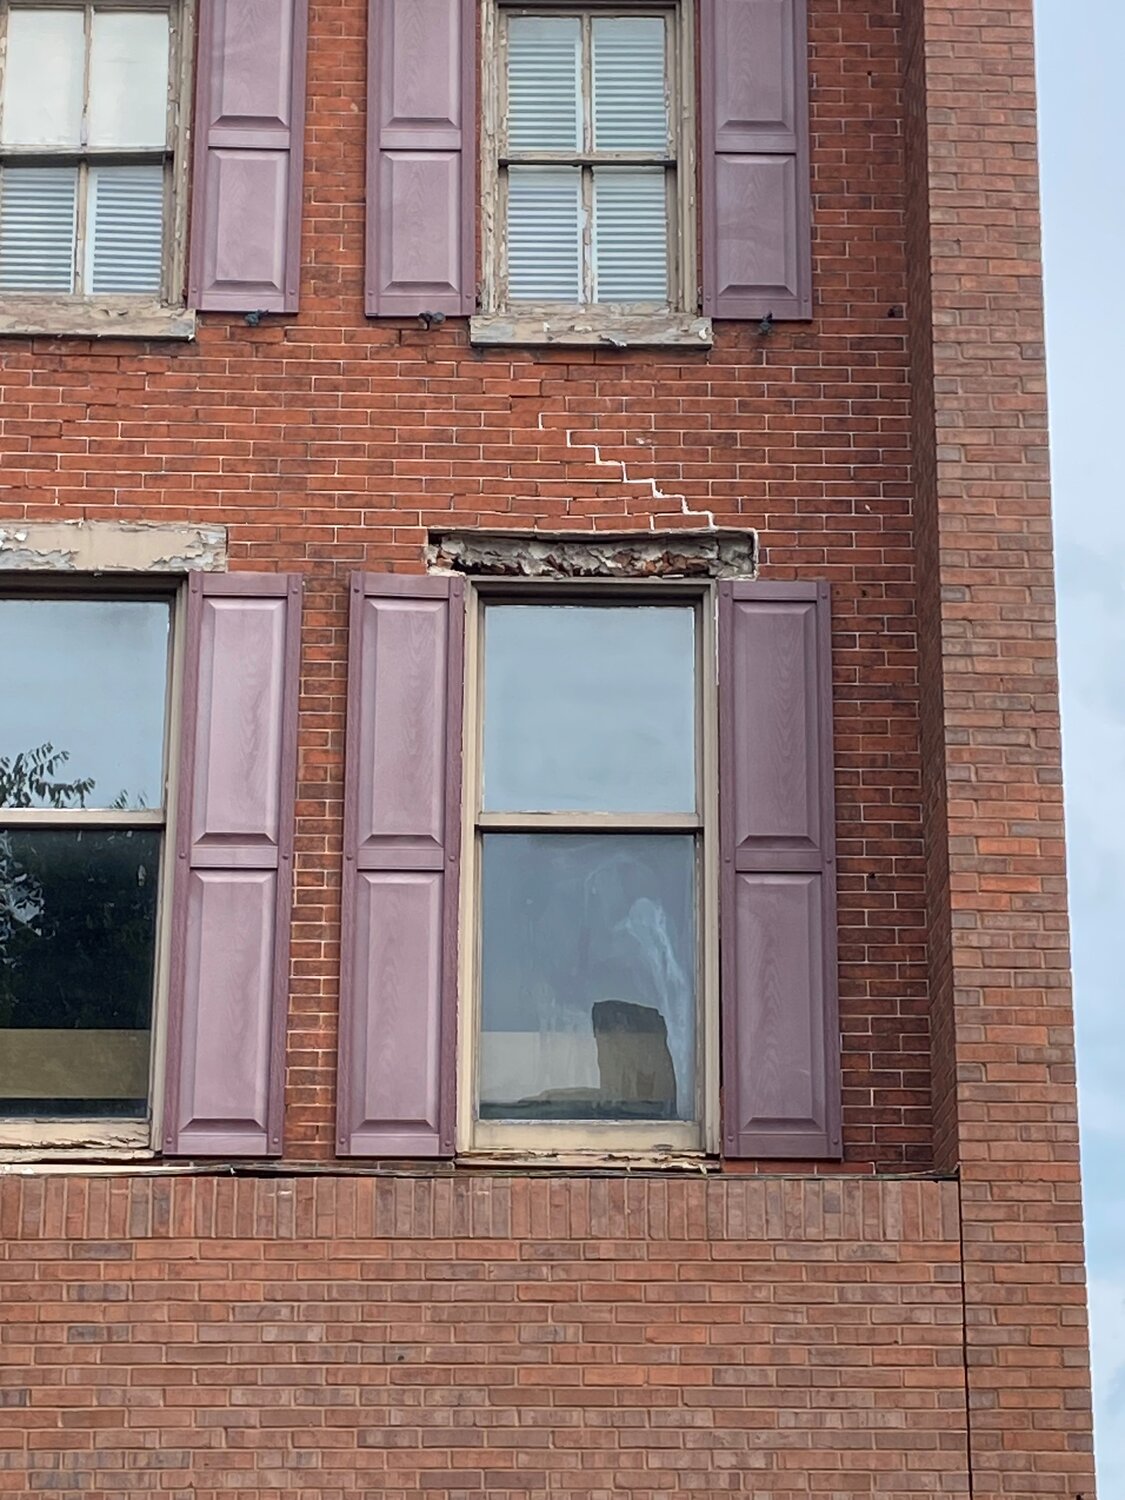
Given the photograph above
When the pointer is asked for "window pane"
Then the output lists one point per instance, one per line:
(125, 243)
(37, 228)
(630, 97)
(129, 78)
(630, 234)
(77, 946)
(544, 234)
(82, 682)
(42, 103)
(589, 708)
(544, 83)
(588, 977)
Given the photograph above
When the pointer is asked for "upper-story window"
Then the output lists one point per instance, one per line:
(588, 165)
(90, 160)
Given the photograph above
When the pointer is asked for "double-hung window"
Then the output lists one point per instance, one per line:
(588, 165)
(591, 855)
(90, 161)
(83, 748)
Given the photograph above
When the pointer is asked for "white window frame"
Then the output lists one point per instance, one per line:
(616, 325)
(578, 1141)
(103, 1137)
(117, 314)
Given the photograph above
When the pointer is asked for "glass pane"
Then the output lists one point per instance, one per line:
(129, 78)
(544, 83)
(125, 246)
(42, 104)
(588, 977)
(82, 682)
(589, 708)
(630, 97)
(630, 234)
(37, 228)
(544, 234)
(77, 945)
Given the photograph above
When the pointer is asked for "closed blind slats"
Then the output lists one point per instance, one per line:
(630, 235)
(37, 228)
(544, 83)
(630, 93)
(127, 229)
(544, 234)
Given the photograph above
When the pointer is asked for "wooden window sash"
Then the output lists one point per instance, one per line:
(678, 162)
(593, 1137)
(172, 155)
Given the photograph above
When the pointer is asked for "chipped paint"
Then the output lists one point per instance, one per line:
(679, 554)
(112, 547)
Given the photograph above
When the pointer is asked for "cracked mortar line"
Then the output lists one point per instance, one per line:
(617, 463)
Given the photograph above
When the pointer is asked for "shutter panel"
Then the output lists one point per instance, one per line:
(402, 811)
(781, 1042)
(421, 123)
(757, 252)
(234, 867)
(249, 154)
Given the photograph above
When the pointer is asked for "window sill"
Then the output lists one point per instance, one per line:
(52, 1140)
(614, 331)
(100, 318)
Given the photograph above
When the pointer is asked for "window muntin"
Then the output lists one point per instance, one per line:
(591, 875)
(87, 146)
(587, 169)
(82, 819)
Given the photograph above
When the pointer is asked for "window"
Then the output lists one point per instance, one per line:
(591, 859)
(535, 876)
(90, 161)
(588, 171)
(83, 752)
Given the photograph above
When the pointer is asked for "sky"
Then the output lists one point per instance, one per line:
(1080, 44)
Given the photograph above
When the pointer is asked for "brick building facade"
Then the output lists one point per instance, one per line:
(906, 1319)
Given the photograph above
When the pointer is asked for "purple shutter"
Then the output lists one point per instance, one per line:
(781, 1040)
(249, 153)
(234, 867)
(421, 137)
(757, 252)
(402, 837)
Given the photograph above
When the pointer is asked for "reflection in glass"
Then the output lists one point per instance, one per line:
(86, 679)
(77, 949)
(589, 708)
(588, 977)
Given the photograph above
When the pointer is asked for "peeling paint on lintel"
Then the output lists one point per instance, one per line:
(671, 554)
(112, 547)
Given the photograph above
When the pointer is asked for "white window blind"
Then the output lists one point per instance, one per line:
(125, 241)
(37, 228)
(89, 86)
(630, 240)
(594, 89)
(630, 104)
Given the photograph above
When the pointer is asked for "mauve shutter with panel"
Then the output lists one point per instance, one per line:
(249, 154)
(781, 1040)
(757, 252)
(421, 139)
(234, 866)
(402, 838)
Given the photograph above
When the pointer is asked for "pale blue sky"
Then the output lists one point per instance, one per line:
(1082, 121)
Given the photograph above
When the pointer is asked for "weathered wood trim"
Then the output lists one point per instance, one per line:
(592, 325)
(87, 317)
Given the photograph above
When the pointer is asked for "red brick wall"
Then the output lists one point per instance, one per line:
(1004, 1050)
(326, 443)
(202, 1338)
